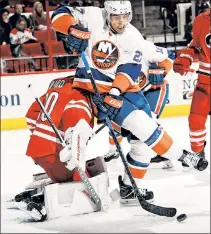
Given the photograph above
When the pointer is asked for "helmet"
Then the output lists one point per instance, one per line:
(118, 8)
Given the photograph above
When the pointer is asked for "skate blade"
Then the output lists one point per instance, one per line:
(133, 202)
(166, 167)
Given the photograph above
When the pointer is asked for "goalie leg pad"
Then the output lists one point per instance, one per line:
(72, 198)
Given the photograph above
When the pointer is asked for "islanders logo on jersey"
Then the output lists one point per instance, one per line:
(105, 54)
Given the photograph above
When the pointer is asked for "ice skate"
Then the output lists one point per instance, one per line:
(200, 154)
(194, 160)
(12, 203)
(129, 197)
(35, 210)
(167, 163)
(32, 203)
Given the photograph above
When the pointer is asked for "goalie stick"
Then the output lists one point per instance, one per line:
(158, 210)
(82, 174)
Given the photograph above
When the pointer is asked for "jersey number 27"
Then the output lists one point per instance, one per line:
(138, 56)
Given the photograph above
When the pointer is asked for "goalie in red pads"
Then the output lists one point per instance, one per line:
(73, 118)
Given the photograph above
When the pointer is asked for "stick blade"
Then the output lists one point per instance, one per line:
(158, 210)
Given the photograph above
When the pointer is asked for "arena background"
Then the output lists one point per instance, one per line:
(164, 24)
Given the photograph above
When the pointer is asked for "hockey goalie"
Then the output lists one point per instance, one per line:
(59, 190)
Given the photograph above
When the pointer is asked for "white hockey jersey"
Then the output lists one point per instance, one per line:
(115, 59)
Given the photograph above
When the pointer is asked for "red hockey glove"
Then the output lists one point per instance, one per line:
(182, 64)
(183, 61)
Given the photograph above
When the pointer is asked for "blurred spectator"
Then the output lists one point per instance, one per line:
(18, 11)
(20, 35)
(171, 11)
(64, 3)
(88, 3)
(188, 15)
(38, 18)
(9, 4)
(201, 6)
(4, 4)
(98, 4)
(52, 3)
(72, 3)
(78, 3)
(188, 32)
(5, 27)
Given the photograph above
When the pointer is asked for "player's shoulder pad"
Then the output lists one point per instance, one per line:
(134, 36)
(134, 33)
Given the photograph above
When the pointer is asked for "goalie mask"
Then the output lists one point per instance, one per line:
(118, 14)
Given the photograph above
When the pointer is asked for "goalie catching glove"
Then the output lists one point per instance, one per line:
(78, 37)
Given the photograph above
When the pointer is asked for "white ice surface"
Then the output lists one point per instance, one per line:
(189, 192)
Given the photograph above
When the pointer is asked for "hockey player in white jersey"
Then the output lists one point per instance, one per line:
(154, 82)
(114, 50)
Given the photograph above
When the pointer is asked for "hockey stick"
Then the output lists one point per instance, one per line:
(82, 174)
(158, 210)
(97, 131)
